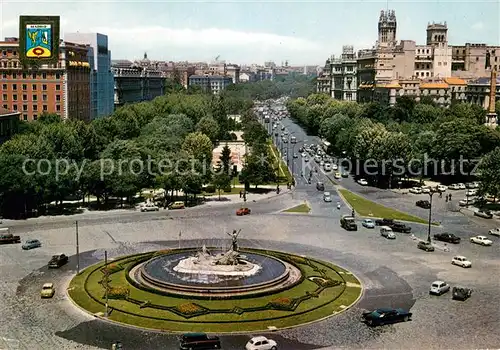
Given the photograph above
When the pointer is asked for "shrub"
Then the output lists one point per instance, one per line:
(210, 189)
(189, 309)
(145, 304)
(227, 189)
(118, 292)
(282, 303)
(162, 252)
(325, 283)
(112, 268)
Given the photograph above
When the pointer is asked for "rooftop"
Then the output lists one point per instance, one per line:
(5, 112)
(484, 81)
(455, 81)
(434, 85)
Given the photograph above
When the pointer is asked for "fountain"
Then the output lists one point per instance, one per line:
(215, 272)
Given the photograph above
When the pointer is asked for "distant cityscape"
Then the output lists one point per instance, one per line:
(437, 70)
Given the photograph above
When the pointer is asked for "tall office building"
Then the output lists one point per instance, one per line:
(102, 81)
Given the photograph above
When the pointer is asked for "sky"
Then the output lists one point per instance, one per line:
(245, 32)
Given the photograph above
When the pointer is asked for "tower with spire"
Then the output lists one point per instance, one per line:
(387, 25)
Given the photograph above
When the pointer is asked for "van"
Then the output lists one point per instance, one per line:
(198, 341)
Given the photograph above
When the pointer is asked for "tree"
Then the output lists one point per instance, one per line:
(221, 181)
(198, 146)
(225, 160)
(208, 126)
(489, 174)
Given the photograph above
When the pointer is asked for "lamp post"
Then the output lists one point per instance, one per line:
(431, 193)
(288, 148)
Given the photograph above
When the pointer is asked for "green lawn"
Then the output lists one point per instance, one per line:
(278, 162)
(301, 208)
(328, 301)
(234, 190)
(365, 207)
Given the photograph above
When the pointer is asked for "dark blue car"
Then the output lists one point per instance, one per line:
(382, 316)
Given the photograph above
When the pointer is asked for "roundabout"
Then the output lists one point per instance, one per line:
(149, 290)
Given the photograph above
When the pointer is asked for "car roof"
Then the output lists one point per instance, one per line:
(385, 309)
(460, 257)
(386, 227)
(438, 282)
(48, 284)
(481, 237)
(259, 338)
(368, 220)
(199, 334)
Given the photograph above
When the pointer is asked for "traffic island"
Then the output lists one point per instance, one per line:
(300, 209)
(316, 290)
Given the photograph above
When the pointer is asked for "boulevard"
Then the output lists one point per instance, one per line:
(394, 273)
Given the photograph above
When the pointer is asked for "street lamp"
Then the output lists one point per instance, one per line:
(431, 193)
(288, 148)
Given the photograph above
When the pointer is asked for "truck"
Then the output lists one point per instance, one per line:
(348, 223)
(7, 238)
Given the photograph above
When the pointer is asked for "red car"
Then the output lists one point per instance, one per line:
(243, 211)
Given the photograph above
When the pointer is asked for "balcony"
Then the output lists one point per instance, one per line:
(426, 58)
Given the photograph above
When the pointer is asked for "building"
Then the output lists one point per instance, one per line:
(177, 71)
(458, 88)
(475, 60)
(233, 71)
(343, 72)
(102, 80)
(478, 91)
(9, 122)
(136, 82)
(246, 77)
(62, 88)
(435, 58)
(324, 81)
(210, 83)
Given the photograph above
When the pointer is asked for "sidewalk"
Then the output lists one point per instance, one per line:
(251, 197)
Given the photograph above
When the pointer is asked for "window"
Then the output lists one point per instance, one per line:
(58, 97)
(44, 108)
(4, 87)
(14, 97)
(439, 64)
(44, 97)
(14, 75)
(44, 75)
(58, 87)
(44, 87)
(4, 97)
(58, 108)
(4, 75)
(14, 53)
(33, 87)
(5, 106)
(25, 107)
(15, 64)
(58, 76)
(25, 117)
(33, 75)
(14, 107)
(14, 87)
(24, 75)
(25, 97)
(25, 87)
(35, 108)
(35, 97)
(35, 117)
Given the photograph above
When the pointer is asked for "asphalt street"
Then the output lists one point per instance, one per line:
(393, 272)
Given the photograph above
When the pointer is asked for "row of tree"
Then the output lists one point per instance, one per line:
(419, 138)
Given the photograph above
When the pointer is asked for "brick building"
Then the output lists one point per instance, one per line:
(9, 122)
(62, 88)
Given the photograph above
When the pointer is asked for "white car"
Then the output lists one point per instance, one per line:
(442, 188)
(363, 182)
(304, 154)
(482, 240)
(475, 185)
(327, 197)
(426, 189)
(455, 187)
(439, 287)
(460, 260)
(321, 163)
(327, 167)
(471, 192)
(416, 190)
(149, 207)
(261, 343)
(466, 201)
(494, 232)
(461, 186)
(335, 167)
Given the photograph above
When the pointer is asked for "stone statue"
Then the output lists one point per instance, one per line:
(234, 236)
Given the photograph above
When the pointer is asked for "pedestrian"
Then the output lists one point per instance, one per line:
(241, 193)
(353, 213)
(446, 199)
(440, 194)
(450, 197)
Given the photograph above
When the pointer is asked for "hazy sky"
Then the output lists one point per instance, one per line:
(302, 32)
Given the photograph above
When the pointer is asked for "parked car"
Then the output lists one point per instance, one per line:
(485, 214)
(461, 186)
(382, 316)
(482, 240)
(176, 205)
(462, 261)
(441, 188)
(426, 189)
(48, 290)
(461, 293)
(425, 204)
(494, 232)
(348, 223)
(363, 182)
(384, 222)
(400, 227)
(345, 174)
(447, 237)
(439, 288)
(198, 341)
(471, 192)
(57, 261)
(320, 186)
(368, 223)
(31, 244)
(424, 245)
(295, 155)
(416, 190)
(243, 211)
(454, 187)
(261, 343)
(149, 207)
(327, 197)
(337, 175)
(386, 231)
(466, 201)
